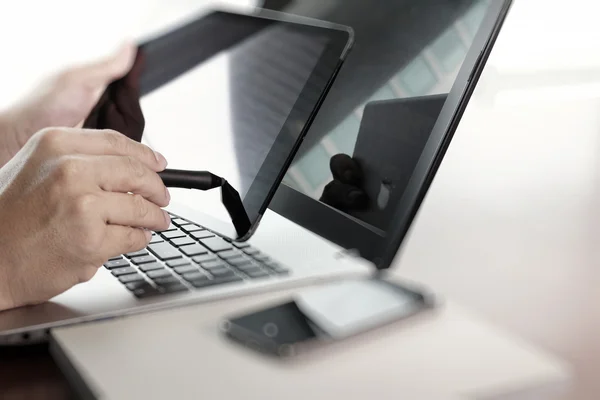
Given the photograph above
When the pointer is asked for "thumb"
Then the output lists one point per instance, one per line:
(100, 73)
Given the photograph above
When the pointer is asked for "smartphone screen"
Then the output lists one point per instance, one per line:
(324, 314)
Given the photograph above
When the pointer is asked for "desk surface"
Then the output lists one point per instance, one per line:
(444, 352)
(510, 225)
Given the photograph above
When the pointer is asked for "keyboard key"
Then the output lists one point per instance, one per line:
(156, 239)
(130, 278)
(250, 251)
(171, 227)
(261, 257)
(143, 260)
(158, 273)
(217, 281)
(180, 287)
(230, 254)
(257, 273)
(123, 271)
(239, 261)
(212, 264)
(221, 272)
(166, 281)
(191, 228)
(137, 285)
(201, 235)
(151, 267)
(145, 291)
(216, 244)
(204, 258)
(248, 267)
(183, 241)
(164, 251)
(115, 258)
(194, 276)
(178, 262)
(241, 245)
(172, 234)
(117, 263)
(140, 253)
(193, 250)
(184, 269)
(179, 221)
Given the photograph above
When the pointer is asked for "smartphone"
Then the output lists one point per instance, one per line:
(229, 93)
(324, 315)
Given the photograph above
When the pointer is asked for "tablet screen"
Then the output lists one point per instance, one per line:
(230, 94)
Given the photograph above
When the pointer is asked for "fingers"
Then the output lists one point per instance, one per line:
(99, 142)
(345, 169)
(133, 210)
(123, 239)
(126, 174)
(103, 72)
(344, 197)
(115, 143)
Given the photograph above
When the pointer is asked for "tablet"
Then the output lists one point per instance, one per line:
(391, 138)
(229, 93)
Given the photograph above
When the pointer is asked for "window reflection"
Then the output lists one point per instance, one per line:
(432, 71)
(417, 78)
(449, 50)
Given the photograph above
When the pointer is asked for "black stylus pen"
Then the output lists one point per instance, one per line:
(200, 180)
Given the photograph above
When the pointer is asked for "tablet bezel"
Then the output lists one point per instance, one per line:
(305, 109)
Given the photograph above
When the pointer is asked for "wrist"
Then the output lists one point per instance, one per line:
(12, 137)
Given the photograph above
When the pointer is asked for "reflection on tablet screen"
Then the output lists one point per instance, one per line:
(226, 93)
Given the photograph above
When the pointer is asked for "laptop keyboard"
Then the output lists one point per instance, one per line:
(189, 257)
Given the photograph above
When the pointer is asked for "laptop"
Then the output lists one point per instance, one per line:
(300, 241)
(232, 93)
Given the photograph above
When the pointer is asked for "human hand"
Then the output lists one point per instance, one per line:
(69, 200)
(119, 106)
(63, 100)
(345, 191)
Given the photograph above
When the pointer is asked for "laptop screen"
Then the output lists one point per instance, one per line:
(363, 149)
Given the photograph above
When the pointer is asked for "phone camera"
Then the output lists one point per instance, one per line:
(270, 330)
(225, 326)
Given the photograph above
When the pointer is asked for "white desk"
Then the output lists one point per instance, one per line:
(442, 354)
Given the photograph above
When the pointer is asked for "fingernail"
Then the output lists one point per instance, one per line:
(167, 217)
(167, 194)
(160, 159)
(148, 235)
